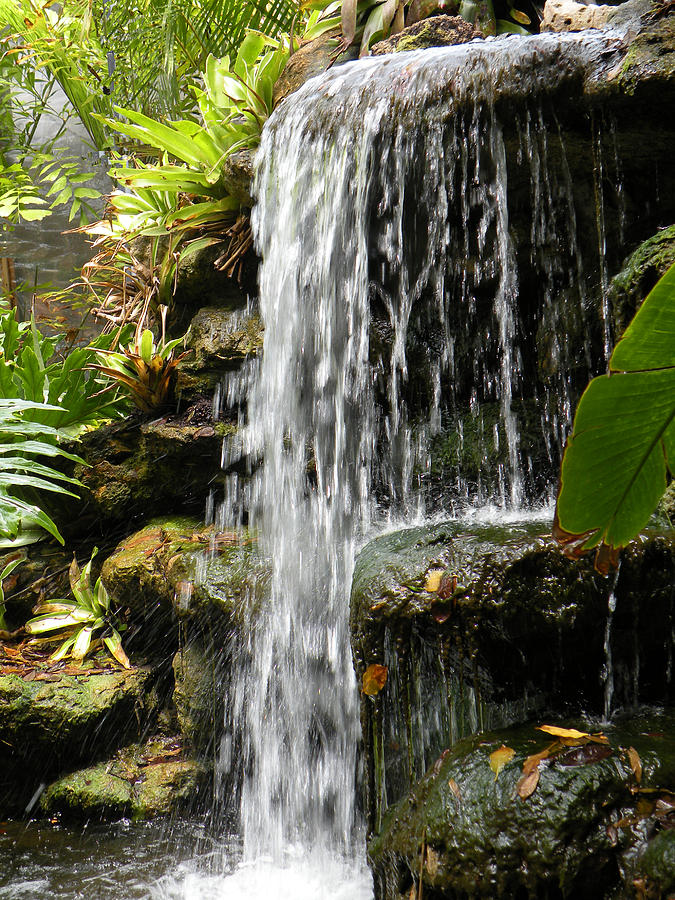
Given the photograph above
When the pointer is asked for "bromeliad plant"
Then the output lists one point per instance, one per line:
(84, 624)
(144, 369)
(8, 569)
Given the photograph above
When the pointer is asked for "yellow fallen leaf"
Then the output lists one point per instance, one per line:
(565, 732)
(532, 762)
(433, 580)
(499, 758)
(374, 679)
(635, 763)
(527, 783)
(520, 17)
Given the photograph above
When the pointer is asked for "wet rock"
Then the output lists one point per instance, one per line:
(141, 781)
(138, 467)
(436, 31)
(220, 340)
(237, 175)
(656, 868)
(467, 834)
(309, 60)
(198, 694)
(481, 627)
(49, 720)
(639, 274)
(176, 569)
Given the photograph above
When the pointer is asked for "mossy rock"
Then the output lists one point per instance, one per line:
(640, 272)
(484, 626)
(467, 834)
(650, 60)
(436, 31)
(220, 340)
(141, 781)
(139, 467)
(48, 720)
(177, 569)
(312, 58)
(199, 696)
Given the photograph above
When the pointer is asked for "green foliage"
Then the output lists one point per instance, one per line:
(145, 369)
(83, 624)
(622, 450)
(9, 568)
(21, 441)
(65, 395)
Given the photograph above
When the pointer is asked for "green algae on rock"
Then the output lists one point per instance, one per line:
(436, 31)
(141, 781)
(640, 272)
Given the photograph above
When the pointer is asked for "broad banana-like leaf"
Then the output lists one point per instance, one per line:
(622, 448)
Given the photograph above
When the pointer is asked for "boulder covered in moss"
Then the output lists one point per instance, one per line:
(139, 467)
(199, 696)
(220, 341)
(50, 719)
(141, 781)
(436, 31)
(640, 272)
(575, 830)
(483, 626)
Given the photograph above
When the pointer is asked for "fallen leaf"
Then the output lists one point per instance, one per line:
(454, 787)
(448, 586)
(432, 862)
(533, 761)
(433, 580)
(374, 679)
(527, 783)
(572, 734)
(499, 758)
(635, 763)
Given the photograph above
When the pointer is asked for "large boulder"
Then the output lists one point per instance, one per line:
(481, 627)
(142, 781)
(583, 827)
(50, 720)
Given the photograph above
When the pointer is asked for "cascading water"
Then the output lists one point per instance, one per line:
(381, 213)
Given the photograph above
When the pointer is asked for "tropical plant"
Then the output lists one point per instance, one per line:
(64, 395)
(367, 21)
(8, 569)
(621, 454)
(84, 624)
(22, 443)
(145, 369)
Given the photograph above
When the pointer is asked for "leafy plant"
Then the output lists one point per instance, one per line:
(63, 394)
(21, 441)
(85, 624)
(145, 369)
(8, 569)
(621, 454)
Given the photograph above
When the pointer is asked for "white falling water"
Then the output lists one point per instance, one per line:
(377, 164)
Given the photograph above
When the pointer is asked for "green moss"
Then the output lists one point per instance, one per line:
(138, 782)
(650, 57)
(640, 272)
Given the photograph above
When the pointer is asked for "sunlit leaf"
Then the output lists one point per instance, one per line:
(500, 757)
(374, 679)
(635, 763)
(433, 581)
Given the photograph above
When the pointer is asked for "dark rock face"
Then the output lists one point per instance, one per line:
(436, 31)
(485, 628)
(584, 833)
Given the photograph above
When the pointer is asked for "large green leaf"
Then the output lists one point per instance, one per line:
(622, 450)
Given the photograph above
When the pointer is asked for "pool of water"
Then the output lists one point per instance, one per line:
(166, 861)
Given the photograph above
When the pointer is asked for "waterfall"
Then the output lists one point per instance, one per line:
(381, 215)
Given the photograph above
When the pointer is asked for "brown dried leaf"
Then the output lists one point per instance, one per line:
(374, 679)
(532, 762)
(585, 755)
(527, 783)
(635, 763)
(454, 787)
(500, 757)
